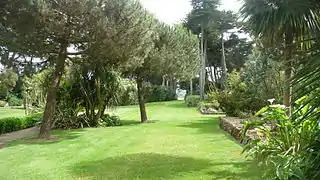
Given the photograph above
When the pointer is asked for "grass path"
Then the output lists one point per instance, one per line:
(180, 145)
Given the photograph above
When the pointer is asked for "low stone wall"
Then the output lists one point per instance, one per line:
(233, 126)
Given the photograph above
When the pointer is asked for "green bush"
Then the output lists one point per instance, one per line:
(158, 93)
(13, 100)
(239, 98)
(18, 123)
(3, 103)
(192, 101)
(289, 147)
(33, 119)
(207, 105)
(152, 93)
(128, 93)
(109, 120)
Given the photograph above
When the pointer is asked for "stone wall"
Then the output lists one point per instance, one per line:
(233, 126)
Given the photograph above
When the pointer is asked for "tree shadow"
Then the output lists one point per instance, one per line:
(61, 135)
(176, 105)
(206, 125)
(209, 125)
(156, 166)
(139, 166)
(136, 122)
(247, 170)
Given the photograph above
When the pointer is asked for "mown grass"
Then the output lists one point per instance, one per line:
(181, 144)
(11, 112)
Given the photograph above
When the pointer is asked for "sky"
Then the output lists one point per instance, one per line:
(173, 11)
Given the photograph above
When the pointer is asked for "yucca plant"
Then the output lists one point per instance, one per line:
(285, 149)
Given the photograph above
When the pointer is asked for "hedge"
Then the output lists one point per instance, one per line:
(11, 124)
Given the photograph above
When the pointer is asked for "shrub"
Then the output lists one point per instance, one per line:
(128, 93)
(13, 100)
(18, 123)
(207, 105)
(11, 124)
(158, 93)
(239, 98)
(33, 119)
(288, 149)
(71, 122)
(3, 103)
(192, 101)
(109, 120)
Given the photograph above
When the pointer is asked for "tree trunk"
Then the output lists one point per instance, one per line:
(202, 66)
(163, 81)
(223, 64)
(100, 101)
(288, 65)
(48, 117)
(191, 87)
(143, 113)
(215, 74)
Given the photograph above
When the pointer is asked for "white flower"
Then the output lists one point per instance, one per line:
(271, 101)
(279, 106)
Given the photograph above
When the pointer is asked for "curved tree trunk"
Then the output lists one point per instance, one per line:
(143, 113)
(48, 117)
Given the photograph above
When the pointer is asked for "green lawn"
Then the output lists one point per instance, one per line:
(180, 145)
(10, 112)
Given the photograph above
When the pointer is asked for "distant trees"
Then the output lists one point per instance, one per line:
(220, 49)
(174, 56)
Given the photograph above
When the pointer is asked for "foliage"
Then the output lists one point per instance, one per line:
(128, 93)
(174, 57)
(68, 108)
(247, 91)
(11, 124)
(288, 24)
(287, 147)
(208, 105)
(237, 97)
(263, 74)
(153, 93)
(192, 101)
(8, 80)
(3, 103)
(35, 89)
(109, 120)
(33, 119)
(158, 93)
(108, 34)
(13, 100)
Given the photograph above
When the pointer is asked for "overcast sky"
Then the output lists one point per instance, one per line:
(173, 11)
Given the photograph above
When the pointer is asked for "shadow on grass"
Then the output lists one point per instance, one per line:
(155, 166)
(135, 122)
(247, 170)
(177, 104)
(206, 125)
(62, 135)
